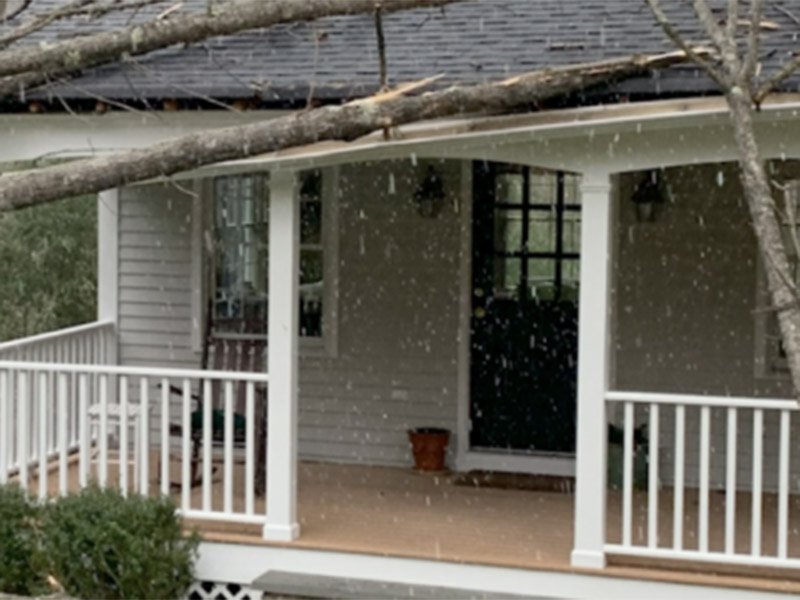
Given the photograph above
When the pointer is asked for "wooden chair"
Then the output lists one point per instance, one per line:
(229, 354)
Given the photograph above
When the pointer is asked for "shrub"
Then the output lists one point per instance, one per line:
(99, 544)
(19, 544)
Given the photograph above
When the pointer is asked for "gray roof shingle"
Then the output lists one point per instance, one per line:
(469, 42)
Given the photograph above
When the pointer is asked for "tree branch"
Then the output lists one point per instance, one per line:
(347, 122)
(753, 43)
(778, 78)
(61, 58)
(669, 29)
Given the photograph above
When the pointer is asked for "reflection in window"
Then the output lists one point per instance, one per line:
(241, 254)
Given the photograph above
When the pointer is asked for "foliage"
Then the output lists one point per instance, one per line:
(19, 544)
(48, 260)
(99, 544)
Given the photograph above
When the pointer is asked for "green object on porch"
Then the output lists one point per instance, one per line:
(218, 424)
(616, 454)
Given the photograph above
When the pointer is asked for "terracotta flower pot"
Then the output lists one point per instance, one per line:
(429, 445)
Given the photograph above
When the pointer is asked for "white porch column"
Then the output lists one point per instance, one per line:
(593, 368)
(108, 264)
(284, 232)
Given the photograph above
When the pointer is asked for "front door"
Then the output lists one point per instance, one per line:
(526, 236)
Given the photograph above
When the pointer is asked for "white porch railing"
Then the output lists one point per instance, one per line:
(120, 398)
(90, 343)
(735, 445)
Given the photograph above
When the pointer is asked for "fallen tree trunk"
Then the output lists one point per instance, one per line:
(347, 123)
(28, 66)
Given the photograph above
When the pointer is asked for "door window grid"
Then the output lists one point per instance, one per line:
(537, 234)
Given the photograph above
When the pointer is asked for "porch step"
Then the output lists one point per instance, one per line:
(317, 586)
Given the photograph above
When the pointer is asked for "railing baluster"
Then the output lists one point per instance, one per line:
(52, 442)
(83, 431)
(165, 436)
(652, 479)
(102, 467)
(677, 516)
(783, 484)
(186, 458)
(207, 424)
(63, 465)
(228, 483)
(123, 434)
(705, 437)
(43, 450)
(249, 460)
(730, 483)
(144, 430)
(5, 428)
(23, 429)
(627, 476)
(758, 446)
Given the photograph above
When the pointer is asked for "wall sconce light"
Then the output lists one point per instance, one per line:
(647, 197)
(429, 195)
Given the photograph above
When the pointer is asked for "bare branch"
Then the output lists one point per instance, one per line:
(384, 76)
(709, 23)
(661, 18)
(347, 123)
(732, 22)
(20, 9)
(778, 78)
(65, 57)
(753, 42)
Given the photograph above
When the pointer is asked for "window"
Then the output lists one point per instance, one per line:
(537, 234)
(239, 261)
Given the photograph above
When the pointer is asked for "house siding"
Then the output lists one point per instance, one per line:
(685, 289)
(395, 364)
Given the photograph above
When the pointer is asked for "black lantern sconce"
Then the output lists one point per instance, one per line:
(648, 197)
(429, 195)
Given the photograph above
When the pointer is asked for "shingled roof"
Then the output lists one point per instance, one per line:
(468, 42)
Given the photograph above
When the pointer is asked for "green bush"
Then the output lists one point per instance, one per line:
(98, 544)
(19, 544)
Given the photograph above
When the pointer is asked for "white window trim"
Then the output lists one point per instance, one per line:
(325, 346)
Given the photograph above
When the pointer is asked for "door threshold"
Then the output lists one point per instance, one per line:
(532, 464)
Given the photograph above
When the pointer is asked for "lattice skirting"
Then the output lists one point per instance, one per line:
(218, 590)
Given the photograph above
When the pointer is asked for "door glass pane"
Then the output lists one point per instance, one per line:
(542, 232)
(507, 230)
(543, 187)
(571, 274)
(541, 278)
(507, 277)
(572, 196)
(572, 231)
(508, 188)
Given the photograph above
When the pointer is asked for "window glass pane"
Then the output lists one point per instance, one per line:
(507, 277)
(543, 188)
(542, 233)
(572, 231)
(571, 276)
(311, 223)
(508, 188)
(541, 278)
(507, 230)
(311, 292)
(572, 195)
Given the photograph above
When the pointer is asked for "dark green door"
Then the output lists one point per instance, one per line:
(524, 338)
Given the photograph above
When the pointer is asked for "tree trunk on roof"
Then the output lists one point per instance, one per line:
(348, 122)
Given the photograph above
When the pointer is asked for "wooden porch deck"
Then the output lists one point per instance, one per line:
(402, 513)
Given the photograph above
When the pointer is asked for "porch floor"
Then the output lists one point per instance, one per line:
(399, 512)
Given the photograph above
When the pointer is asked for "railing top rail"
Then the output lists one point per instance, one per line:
(700, 400)
(133, 371)
(55, 335)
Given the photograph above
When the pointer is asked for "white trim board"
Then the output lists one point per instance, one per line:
(535, 464)
(240, 563)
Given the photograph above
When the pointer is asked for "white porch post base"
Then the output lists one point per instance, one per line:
(278, 532)
(588, 559)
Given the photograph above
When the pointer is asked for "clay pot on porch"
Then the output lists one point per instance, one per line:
(429, 445)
